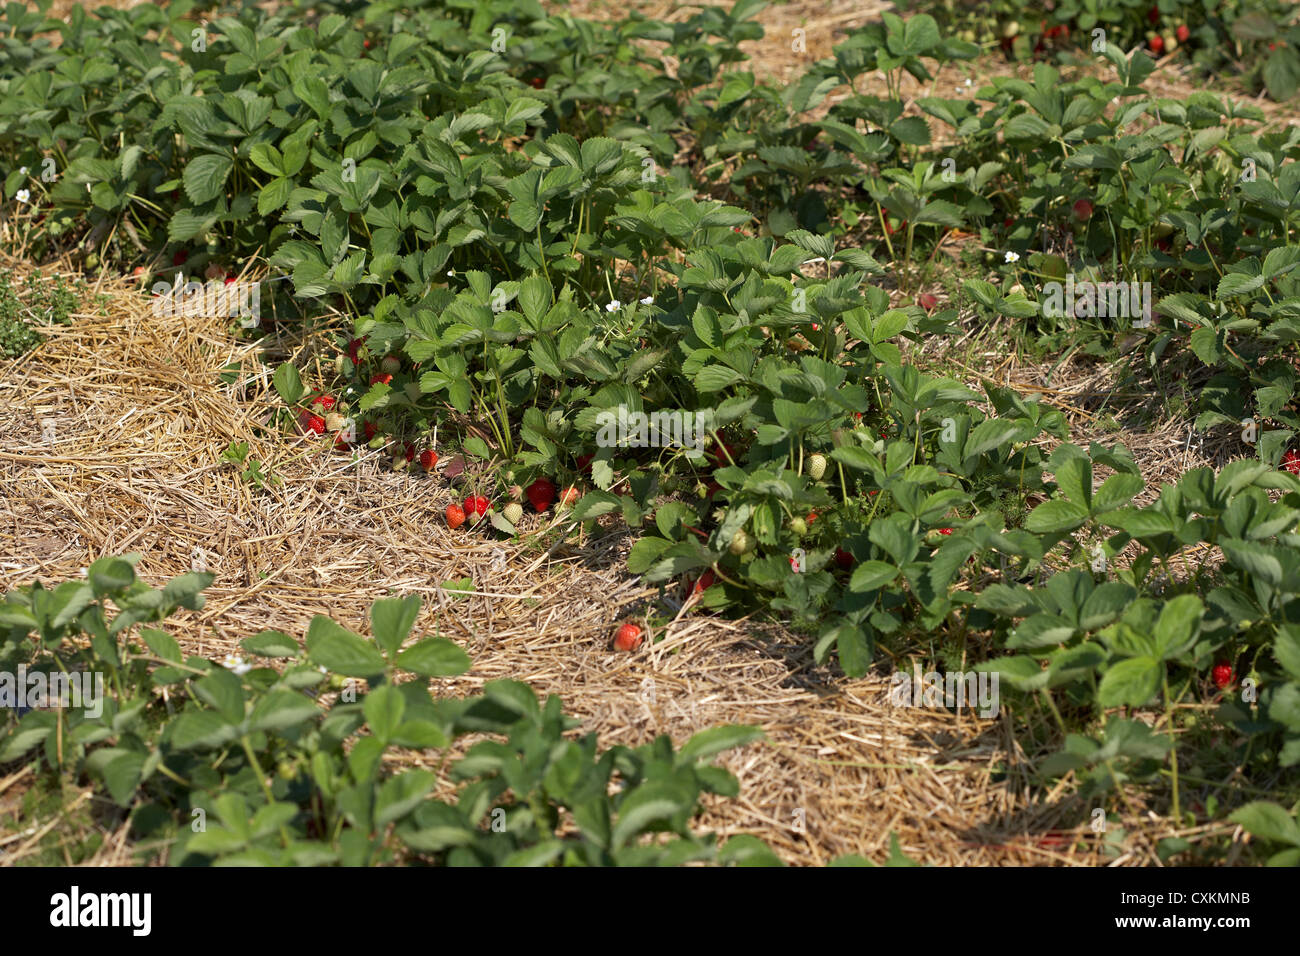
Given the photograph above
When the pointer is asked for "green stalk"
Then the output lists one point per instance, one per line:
(1173, 750)
(261, 779)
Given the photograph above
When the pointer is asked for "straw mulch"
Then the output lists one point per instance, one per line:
(140, 419)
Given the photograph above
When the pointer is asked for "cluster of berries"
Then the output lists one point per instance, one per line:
(1169, 42)
(540, 494)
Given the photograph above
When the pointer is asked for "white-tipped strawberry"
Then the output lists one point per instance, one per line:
(335, 422)
(816, 467)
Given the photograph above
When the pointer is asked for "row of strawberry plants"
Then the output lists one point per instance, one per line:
(243, 763)
(366, 211)
(1257, 40)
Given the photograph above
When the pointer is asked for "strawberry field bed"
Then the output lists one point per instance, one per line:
(716, 381)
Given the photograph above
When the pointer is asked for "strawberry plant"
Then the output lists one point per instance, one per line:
(275, 758)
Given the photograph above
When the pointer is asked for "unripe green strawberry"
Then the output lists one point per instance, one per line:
(741, 543)
(391, 364)
(799, 526)
(286, 770)
(816, 467)
(513, 512)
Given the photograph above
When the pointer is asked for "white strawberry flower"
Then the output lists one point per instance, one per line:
(648, 300)
(23, 170)
(613, 306)
(1013, 257)
(22, 195)
(237, 665)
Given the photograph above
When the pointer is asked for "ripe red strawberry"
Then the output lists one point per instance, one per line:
(704, 582)
(945, 531)
(1153, 15)
(366, 44)
(1183, 33)
(139, 271)
(1222, 675)
(537, 82)
(628, 637)
(724, 454)
(1157, 43)
(927, 300)
(428, 458)
(476, 506)
(812, 516)
(324, 401)
(843, 558)
(179, 258)
(584, 463)
(1082, 210)
(541, 493)
(311, 423)
(1291, 462)
(354, 349)
(369, 429)
(231, 280)
(381, 378)
(455, 517)
(569, 497)
(409, 451)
